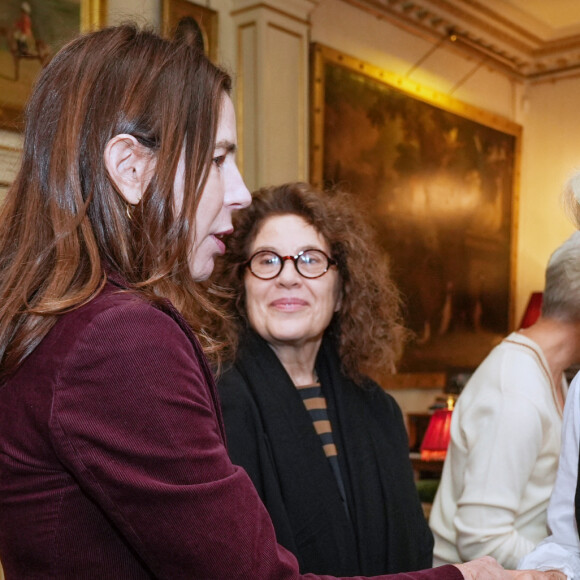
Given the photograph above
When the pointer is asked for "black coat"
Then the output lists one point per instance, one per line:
(270, 434)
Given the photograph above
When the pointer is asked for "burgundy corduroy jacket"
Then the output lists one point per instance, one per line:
(113, 463)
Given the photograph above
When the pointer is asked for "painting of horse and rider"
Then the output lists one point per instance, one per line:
(31, 31)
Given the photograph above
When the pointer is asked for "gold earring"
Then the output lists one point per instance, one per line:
(128, 212)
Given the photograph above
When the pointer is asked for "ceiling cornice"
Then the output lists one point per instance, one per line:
(480, 30)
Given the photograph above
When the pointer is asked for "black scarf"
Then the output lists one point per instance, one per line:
(271, 435)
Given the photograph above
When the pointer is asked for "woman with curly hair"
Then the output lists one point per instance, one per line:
(312, 310)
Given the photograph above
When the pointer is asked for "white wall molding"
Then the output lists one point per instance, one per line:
(272, 89)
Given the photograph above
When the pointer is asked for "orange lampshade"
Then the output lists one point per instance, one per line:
(533, 310)
(438, 435)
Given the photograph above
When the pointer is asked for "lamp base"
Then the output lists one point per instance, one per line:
(428, 455)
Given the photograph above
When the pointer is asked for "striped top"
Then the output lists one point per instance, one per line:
(315, 403)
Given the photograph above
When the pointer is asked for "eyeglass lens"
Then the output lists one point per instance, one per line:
(310, 264)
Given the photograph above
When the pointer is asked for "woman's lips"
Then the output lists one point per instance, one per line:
(220, 239)
(220, 244)
(288, 304)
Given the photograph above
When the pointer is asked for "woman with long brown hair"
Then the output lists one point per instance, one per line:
(112, 448)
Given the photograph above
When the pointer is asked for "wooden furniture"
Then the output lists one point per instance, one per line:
(425, 469)
(427, 475)
(416, 426)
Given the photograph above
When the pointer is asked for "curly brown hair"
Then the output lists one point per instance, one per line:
(371, 333)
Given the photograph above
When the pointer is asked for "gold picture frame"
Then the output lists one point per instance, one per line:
(10, 152)
(439, 179)
(204, 21)
(31, 31)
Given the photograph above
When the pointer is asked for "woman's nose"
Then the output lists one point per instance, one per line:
(239, 195)
(288, 275)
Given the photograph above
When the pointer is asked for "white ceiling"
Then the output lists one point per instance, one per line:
(551, 18)
(529, 39)
(555, 13)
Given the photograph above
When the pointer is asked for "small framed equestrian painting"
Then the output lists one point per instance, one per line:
(439, 180)
(31, 32)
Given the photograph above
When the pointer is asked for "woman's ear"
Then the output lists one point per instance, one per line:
(129, 165)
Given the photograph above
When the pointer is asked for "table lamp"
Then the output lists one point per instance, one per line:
(533, 310)
(438, 434)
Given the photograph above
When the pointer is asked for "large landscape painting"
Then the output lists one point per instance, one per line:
(438, 180)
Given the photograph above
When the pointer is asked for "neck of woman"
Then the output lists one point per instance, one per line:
(298, 360)
(560, 343)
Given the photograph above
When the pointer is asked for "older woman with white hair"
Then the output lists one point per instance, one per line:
(505, 432)
(561, 550)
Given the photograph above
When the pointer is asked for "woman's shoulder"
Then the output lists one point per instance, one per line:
(114, 299)
(117, 332)
(375, 398)
(114, 314)
(373, 389)
(231, 383)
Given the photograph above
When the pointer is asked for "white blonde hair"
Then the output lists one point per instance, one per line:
(561, 298)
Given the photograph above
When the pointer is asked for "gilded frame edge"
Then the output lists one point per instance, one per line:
(93, 14)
